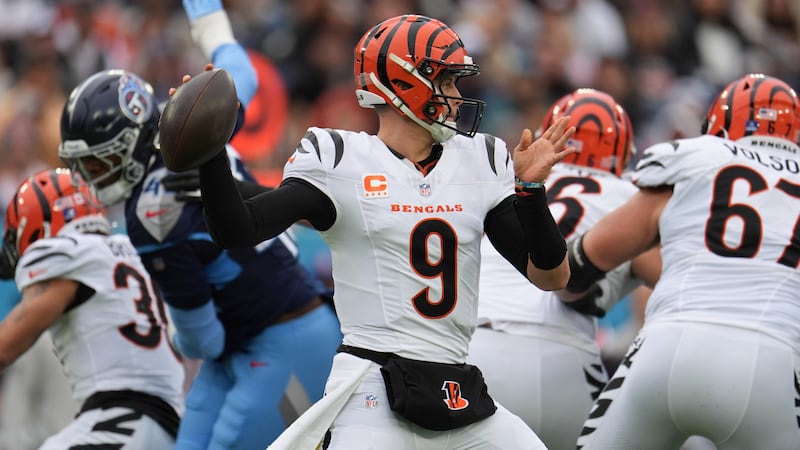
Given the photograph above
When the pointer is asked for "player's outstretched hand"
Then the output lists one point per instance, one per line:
(533, 160)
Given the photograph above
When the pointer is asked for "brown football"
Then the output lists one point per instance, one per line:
(198, 120)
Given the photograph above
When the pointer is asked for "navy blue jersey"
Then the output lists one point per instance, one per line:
(250, 287)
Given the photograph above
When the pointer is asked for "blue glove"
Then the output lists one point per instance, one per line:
(199, 8)
(199, 334)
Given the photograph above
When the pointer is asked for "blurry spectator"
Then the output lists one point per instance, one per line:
(500, 36)
(19, 148)
(774, 26)
(89, 33)
(31, 108)
(21, 17)
(163, 50)
(597, 30)
(709, 42)
(680, 114)
(6, 70)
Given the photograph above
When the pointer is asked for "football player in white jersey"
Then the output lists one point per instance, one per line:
(108, 325)
(403, 212)
(719, 352)
(540, 357)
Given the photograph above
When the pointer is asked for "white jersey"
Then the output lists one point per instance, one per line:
(578, 198)
(730, 235)
(115, 340)
(418, 236)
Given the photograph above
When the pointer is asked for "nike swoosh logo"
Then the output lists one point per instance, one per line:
(291, 159)
(156, 213)
(36, 273)
(255, 364)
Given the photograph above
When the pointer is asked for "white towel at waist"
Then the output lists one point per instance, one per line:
(309, 429)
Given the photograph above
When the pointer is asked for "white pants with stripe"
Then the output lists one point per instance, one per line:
(739, 388)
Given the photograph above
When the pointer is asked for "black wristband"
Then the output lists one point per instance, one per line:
(583, 274)
(546, 246)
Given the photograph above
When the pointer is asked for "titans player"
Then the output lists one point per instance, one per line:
(254, 316)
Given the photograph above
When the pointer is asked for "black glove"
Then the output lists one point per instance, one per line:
(587, 304)
(584, 274)
(8, 260)
(186, 185)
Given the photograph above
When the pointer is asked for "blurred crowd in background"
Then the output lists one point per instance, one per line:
(663, 60)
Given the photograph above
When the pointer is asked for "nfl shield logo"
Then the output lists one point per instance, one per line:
(425, 189)
(371, 401)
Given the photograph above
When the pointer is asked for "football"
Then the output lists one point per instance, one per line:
(198, 120)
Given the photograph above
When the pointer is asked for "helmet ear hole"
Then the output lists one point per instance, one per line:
(430, 110)
(426, 69)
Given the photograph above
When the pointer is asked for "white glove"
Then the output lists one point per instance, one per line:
(209, 24)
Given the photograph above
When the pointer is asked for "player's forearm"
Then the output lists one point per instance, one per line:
(41, 305)
(229, 220)
(548, 268)
(620, 236)
(551, 279)
(627, 231)
(234, 222)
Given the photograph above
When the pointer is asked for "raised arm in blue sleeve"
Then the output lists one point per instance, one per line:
(212, 32)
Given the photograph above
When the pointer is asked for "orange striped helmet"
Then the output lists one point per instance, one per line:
(603, 131)
(755, 105)
(398, 62)
(46, 203)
